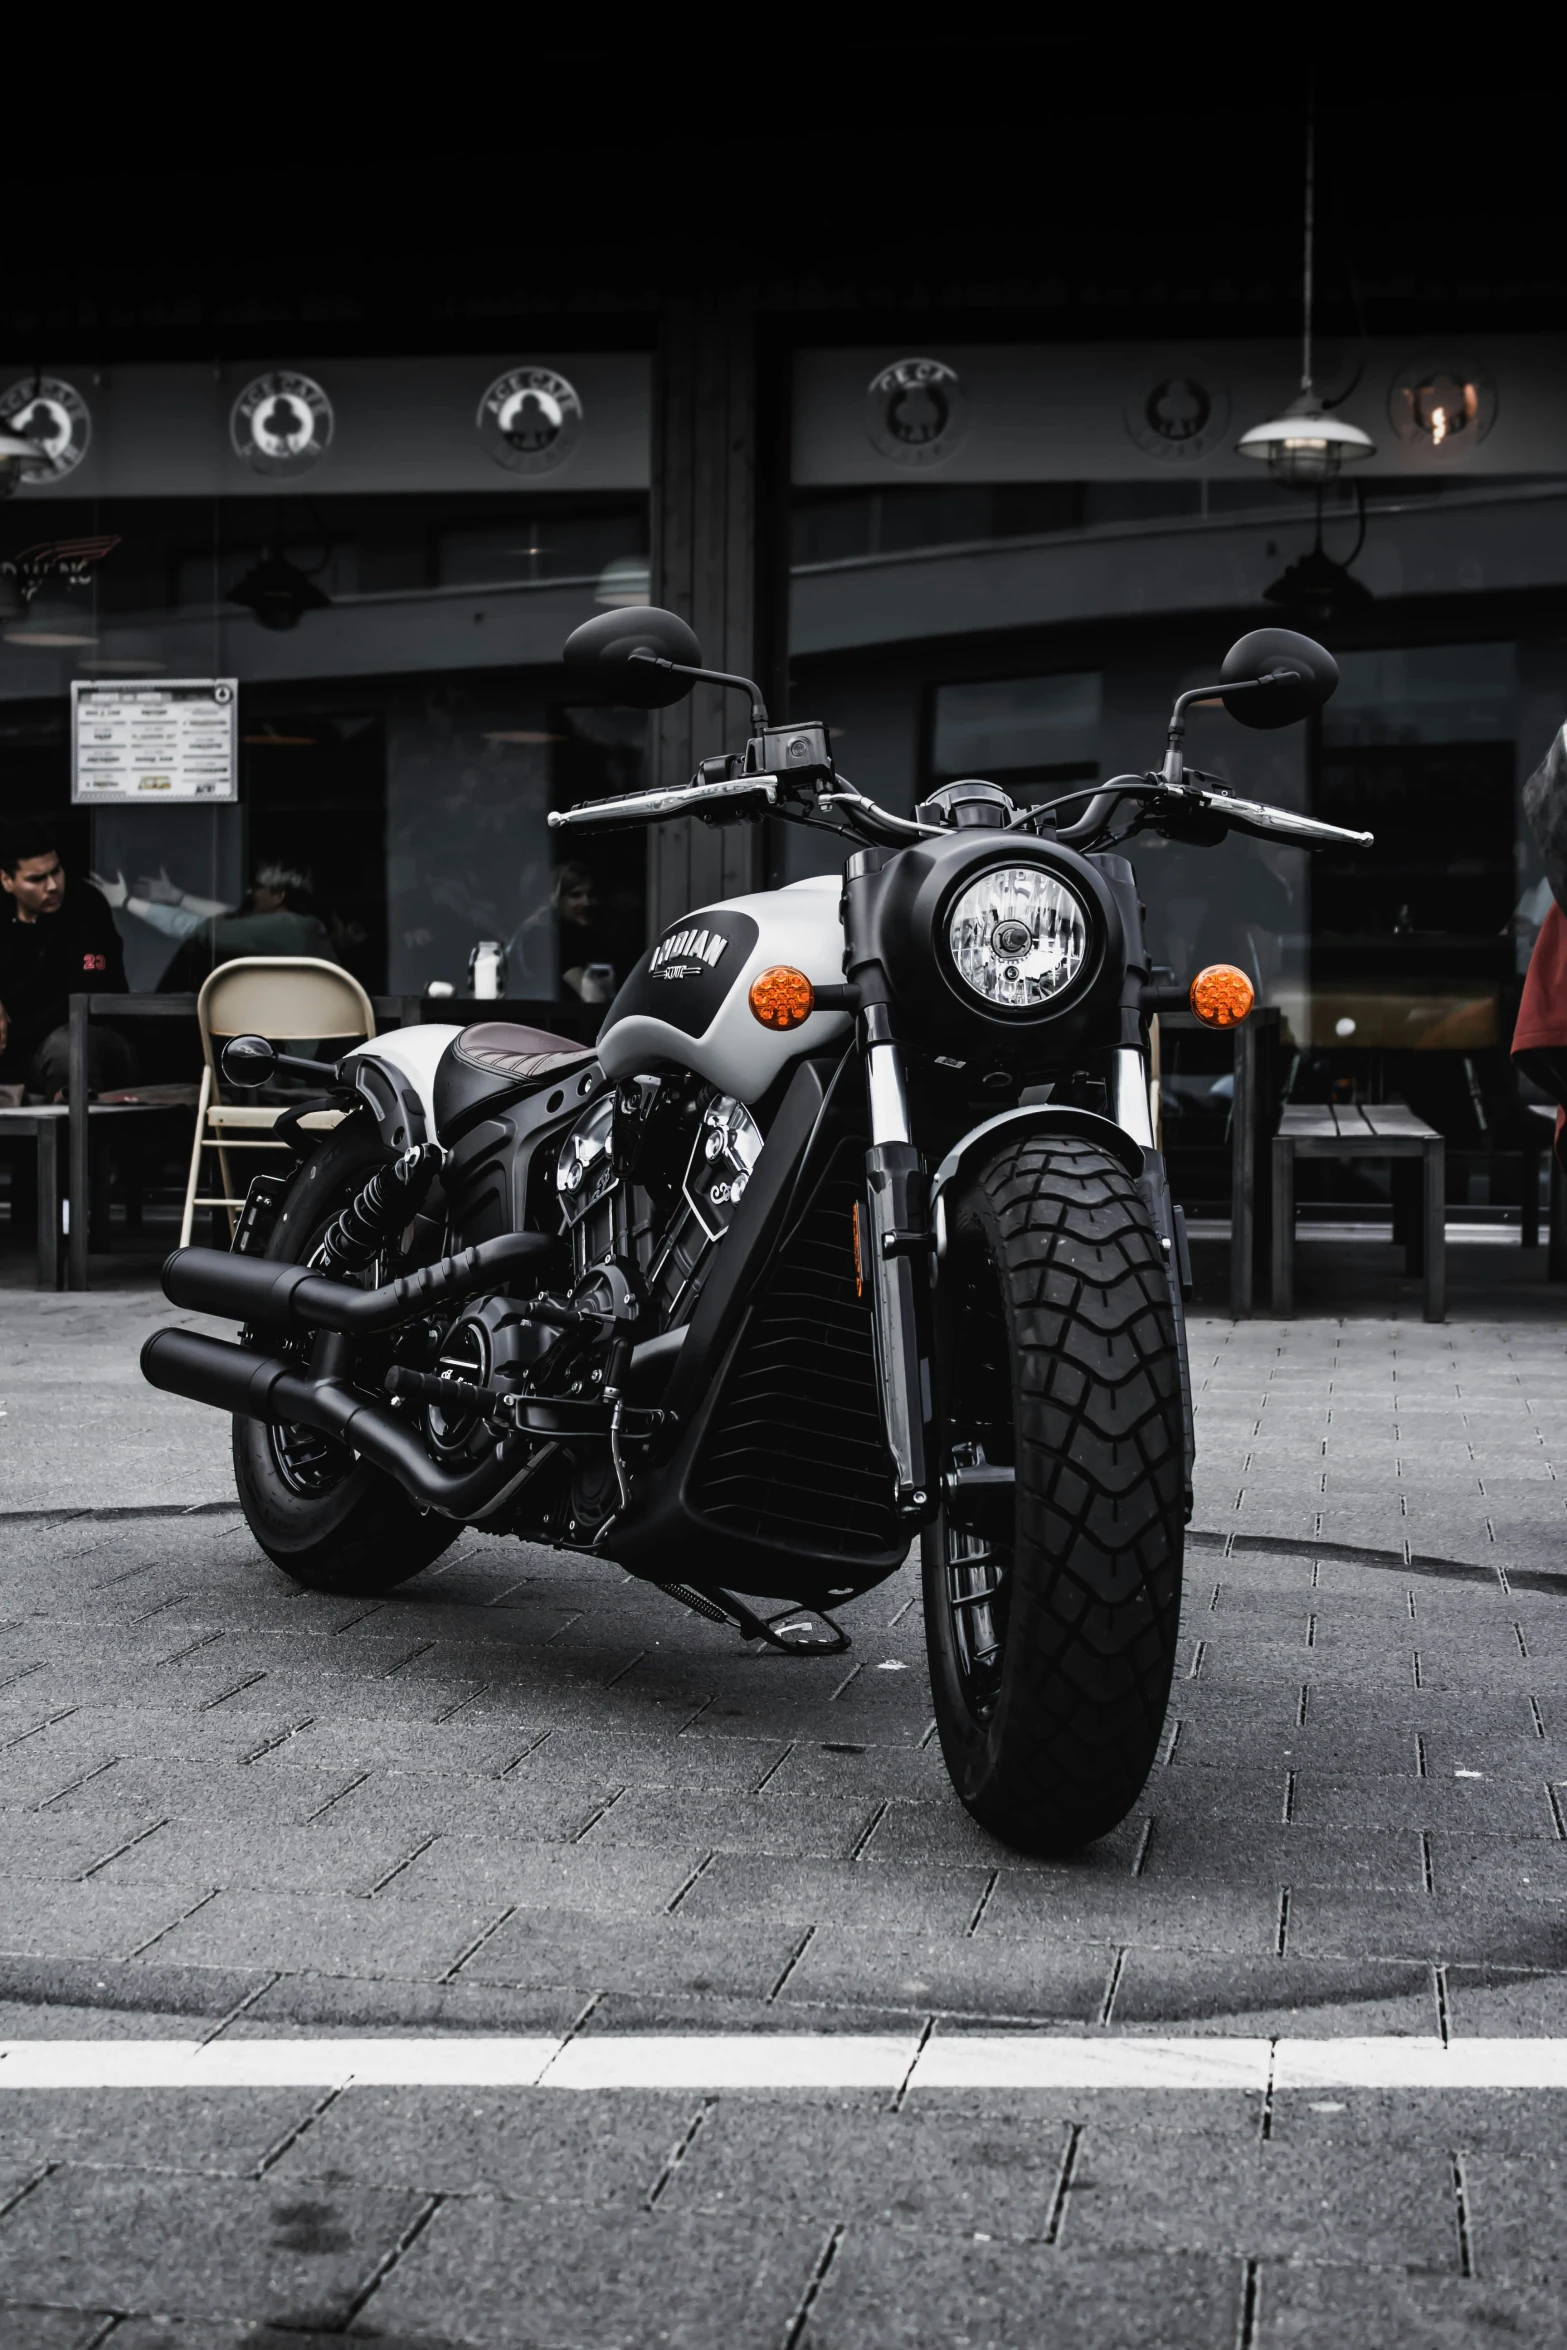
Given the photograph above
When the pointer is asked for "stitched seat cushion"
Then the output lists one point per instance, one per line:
(503, 1049)
(498, 1062)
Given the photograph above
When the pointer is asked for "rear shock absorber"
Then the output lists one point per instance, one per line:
(392, 1198)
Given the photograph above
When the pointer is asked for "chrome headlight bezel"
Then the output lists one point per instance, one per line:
(1083, 903)
(1013, 973)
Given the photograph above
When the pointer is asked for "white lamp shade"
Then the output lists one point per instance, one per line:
(1305, 446)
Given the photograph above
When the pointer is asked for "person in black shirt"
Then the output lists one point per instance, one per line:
(56, 940)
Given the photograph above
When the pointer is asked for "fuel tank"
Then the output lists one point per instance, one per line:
(687, 1001)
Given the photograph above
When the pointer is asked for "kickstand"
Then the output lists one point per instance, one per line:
(797, 1632)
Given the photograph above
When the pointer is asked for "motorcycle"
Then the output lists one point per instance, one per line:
(851, 1230)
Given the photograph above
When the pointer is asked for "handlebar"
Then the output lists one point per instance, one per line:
(757, 795)
(653, 807)
(1267, 823)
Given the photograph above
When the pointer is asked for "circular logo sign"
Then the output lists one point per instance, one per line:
(916, 411)
(281, 423)
(529, 420)
(53, 414)
(1445, 405)
(1178, 418)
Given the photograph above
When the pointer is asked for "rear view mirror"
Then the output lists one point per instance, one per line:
(607, 644)
(1309, 675)
(249, 1061)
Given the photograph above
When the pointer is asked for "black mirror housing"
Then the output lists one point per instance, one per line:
(249, 1061)
(606, 645)
(1282, 699)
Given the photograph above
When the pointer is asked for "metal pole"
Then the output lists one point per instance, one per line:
(78, 1183)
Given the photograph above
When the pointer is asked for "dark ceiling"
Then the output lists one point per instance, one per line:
(1036, 203)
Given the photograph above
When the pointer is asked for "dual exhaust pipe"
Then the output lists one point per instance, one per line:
(242, 1380)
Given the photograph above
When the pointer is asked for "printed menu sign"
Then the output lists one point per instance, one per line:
(153, 743)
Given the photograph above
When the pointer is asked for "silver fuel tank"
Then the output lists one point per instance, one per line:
(687, 999)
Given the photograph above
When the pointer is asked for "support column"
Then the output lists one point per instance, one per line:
(705, 568)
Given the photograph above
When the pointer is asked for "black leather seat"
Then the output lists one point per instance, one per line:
(499, 1061)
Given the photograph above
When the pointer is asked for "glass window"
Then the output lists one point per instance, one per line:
(1030, 729)
(394, 616)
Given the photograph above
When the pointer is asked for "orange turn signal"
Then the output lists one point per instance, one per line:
(782, 997)
(1222, 996)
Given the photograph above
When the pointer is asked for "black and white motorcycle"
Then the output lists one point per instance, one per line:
(852, 1228)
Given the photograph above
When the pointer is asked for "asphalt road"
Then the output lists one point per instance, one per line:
(530, 1801)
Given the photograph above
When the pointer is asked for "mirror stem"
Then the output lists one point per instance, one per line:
(741, 685)
(1173, 761)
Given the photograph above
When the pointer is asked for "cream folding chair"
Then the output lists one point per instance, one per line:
(280, 997)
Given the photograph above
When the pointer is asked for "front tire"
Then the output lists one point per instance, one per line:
(329, 1520)
(1051, 1615)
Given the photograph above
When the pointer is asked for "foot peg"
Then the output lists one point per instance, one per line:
(799, 1631)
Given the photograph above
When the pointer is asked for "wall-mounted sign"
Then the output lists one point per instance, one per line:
(281, 422)
(1178, 418)
(529, 420)
(1446, 405)
(54, 414)
(916, 411)
(153, 744)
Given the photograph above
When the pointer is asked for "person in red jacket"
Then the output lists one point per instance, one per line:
(1540, 1035)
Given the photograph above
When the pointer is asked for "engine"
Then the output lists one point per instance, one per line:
(648, 1180)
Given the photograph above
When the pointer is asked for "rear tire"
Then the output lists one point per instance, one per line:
(326, 1518)
(1051, 1630)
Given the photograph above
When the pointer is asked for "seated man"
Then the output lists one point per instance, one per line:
(57, 939)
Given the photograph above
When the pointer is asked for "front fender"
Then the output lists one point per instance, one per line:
(1037, 1118)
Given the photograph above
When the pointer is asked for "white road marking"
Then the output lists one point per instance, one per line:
(1014, 2062)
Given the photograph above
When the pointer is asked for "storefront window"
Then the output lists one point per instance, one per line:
(393, 614)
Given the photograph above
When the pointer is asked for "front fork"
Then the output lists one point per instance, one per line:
(897, 1254)
(896, 1257)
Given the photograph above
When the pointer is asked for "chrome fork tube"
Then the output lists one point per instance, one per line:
(889, 1096)
(1130, 1106)
(898, 1266)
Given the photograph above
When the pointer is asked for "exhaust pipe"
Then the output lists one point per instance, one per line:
(249, 1289)
(259, 1387)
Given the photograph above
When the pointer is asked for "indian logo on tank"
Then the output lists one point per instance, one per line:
(686, 954)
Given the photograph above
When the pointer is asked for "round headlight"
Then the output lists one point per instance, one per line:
(1018, 936)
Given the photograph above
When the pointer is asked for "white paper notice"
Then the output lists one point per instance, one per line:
(154, 743)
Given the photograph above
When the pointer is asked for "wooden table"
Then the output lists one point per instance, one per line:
(1363, 1130)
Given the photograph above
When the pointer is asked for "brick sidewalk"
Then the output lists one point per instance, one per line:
(527, 1795)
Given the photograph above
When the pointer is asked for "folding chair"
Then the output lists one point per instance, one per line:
(280, 997)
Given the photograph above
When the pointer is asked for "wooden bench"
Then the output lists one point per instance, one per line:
(1363, 1130)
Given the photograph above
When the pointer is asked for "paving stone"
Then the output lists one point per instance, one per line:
(539, 1949)
(947, 2173)
(51, 2329)
(326, 1933)
(232, 2134)
(585, 2151)
(738, 1885)
(891, 2290)
(150, 2240)
(1324, 1923)
(963, 1974)
(82, 1920)
(1249, 2197)
(1120, 1911)
(1303, 2305)
(1252, 1997)
(478, 2262)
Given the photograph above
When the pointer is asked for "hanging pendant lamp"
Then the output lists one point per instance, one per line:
(1305, 446)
